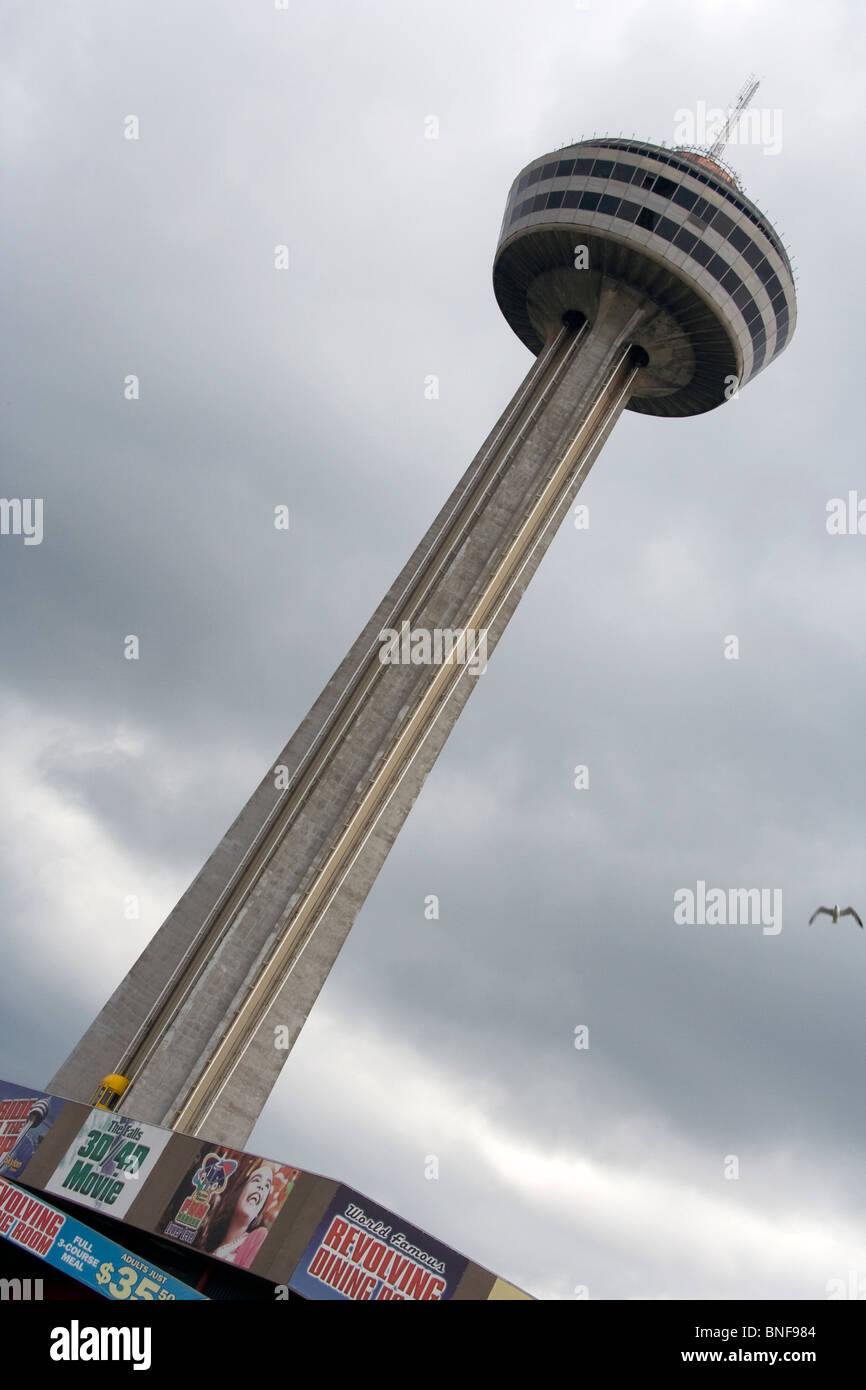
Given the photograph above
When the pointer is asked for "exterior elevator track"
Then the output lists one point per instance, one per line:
(205, 1090)
(492, 461)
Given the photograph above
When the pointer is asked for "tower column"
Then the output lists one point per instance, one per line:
(198, 1040)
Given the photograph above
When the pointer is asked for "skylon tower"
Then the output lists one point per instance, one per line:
(640, 278)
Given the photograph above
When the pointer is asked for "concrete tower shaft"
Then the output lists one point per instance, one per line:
(251, 942)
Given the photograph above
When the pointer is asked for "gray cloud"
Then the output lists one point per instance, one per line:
(306, 387)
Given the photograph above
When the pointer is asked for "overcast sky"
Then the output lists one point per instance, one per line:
(560, 1168)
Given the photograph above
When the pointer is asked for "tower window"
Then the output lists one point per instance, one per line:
(739, 239)
(685, 240)
(666, 188)
(685, 198)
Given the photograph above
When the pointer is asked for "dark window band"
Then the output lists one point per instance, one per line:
(584, 166)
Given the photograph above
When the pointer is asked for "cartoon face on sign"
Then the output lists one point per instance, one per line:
(213, 1175)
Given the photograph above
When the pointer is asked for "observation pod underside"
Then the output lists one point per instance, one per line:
(708, 276)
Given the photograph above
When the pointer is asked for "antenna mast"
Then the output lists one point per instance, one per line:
(747, 91)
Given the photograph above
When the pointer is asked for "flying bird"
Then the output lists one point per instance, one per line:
(835, 912)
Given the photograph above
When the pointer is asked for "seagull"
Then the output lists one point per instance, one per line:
(836, 912)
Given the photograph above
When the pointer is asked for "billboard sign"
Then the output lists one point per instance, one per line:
(361, 1252)
(227, 1203)
(68, 1245)
(25, 1118)
(107, 1161)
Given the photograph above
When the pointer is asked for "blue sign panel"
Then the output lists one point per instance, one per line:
(81, 1252)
